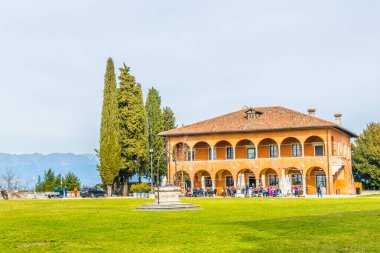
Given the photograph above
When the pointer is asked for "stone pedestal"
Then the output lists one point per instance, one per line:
(167, 199)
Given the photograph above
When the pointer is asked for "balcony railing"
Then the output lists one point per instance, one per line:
(256, 159)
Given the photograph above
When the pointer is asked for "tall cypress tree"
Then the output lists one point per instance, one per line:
(142, 138)
(169, 118)
(155, 126)
(133, 135)
(109, 150)
(169, 123)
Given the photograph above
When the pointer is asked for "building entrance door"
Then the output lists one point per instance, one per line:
(229, 181)
(320, 180)
(252, 181)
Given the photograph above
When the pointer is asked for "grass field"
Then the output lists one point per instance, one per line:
(223, 225)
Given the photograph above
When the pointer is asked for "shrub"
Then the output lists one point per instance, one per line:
(139, 188)
(136, 188)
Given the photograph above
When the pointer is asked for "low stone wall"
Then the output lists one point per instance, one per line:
(366, 192)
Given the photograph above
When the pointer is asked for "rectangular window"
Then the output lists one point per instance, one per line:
(273, 180)
(190, 155)
(320, 180)
(229, 181)
(210, 154)
(208, 182)
(296, 179)
(230, 153)
(296, 150)
(273, 151)
(251, 153)
(318, 150)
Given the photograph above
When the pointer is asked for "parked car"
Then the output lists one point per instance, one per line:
(57, 193)
(92, 193)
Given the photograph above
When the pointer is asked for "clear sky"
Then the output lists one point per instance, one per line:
(206, 58)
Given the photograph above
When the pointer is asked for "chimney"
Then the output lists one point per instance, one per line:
(338, 118)
(311, 111)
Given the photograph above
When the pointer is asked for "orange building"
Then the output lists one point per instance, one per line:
(263, 146)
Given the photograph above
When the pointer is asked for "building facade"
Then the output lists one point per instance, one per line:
(265, 146)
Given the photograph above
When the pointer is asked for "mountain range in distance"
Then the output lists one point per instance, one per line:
(29, 166)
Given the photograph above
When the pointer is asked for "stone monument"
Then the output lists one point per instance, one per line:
(167, 199)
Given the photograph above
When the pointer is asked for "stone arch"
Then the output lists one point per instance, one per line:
(291, 147)
(202, 179)
(223, 179)
(264, 147)
(248, 175)
(182, 152)
(315, 175)
(221, 150)
(269, 178)
(314, 146)
(182, 179)
(201, 151)
(295, 176)
(245, 149)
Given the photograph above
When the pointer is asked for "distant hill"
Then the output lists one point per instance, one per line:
(28, 165)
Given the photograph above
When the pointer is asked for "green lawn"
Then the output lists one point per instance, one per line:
(223, 225)
(371, 195)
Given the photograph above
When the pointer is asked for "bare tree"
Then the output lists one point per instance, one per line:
(183, 153)
(9, 179)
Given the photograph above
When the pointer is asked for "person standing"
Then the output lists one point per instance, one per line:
(65, 191)
(75, 192)
(319, 191)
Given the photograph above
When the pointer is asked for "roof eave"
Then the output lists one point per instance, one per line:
(168, 134)
(346, 131)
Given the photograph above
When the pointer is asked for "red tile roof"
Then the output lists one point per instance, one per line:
(271, 118)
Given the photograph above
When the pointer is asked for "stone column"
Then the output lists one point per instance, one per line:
(304, 185)
(281, 180)
(213, 184)
(257, 182)
(263, 180)
(192, 183)
(329, 185)
(303, 149)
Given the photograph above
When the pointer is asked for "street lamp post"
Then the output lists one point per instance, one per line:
(151, 171)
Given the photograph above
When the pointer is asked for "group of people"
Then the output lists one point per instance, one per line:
(200, 192)
(246, 191)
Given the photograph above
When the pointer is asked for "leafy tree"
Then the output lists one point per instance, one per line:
(71, 181)
(169, 119)
(51, 181)
(155, 126)
(133, 127)
(39, 183)
(366, 157)
(110, 150)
